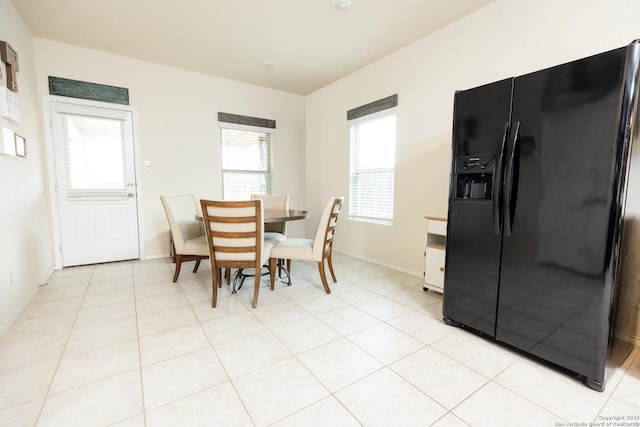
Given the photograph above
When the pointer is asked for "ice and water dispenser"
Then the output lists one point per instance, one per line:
(474, 177)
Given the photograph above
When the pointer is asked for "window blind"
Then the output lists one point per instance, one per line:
(246, 163)
(95, 156)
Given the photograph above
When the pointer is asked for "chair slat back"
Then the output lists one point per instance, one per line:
(326, 228)
(234, 232)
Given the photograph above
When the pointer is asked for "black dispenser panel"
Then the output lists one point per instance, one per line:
(474, 186)
(474, 177)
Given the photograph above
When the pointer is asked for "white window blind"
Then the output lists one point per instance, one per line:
(373, 145)
(246, 162)
(95, 156)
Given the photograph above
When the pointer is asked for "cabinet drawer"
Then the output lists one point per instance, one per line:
(437, 227)
(434, 267)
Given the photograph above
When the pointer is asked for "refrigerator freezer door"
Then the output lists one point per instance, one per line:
(553, 284)
(481, 118)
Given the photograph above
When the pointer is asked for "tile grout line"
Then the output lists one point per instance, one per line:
(295, 356)
(345, 337)
(55, 372)
(135, 308)
(211, 345)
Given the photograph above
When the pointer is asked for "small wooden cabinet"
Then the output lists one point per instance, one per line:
(434, 253)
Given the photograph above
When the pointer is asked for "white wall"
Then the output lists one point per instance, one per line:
(25, 238)
(178, 127)
(506, 38)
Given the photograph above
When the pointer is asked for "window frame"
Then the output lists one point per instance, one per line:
(268, 173)
(355, 144)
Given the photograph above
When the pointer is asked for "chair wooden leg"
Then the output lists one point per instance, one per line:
(256, 289)
(227, 275)
(272, 271)
(195, 268)
(323, 278)
(178, 265)
(219, 277)
(215, 274)
(333, 275)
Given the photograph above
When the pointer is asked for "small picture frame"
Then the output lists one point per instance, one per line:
(8, 142)
(21, 146)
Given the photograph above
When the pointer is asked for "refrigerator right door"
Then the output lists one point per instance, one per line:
(557, 241)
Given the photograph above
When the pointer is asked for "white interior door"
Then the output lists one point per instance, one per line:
(95, 183)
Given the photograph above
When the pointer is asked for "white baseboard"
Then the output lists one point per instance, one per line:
(382, 263)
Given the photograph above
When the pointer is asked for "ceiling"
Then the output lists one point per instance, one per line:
(311, 43)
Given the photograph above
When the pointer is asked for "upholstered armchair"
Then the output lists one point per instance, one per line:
(189, 240)
(275, 231)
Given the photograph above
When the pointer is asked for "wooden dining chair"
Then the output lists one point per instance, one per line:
(318, 249)
(188, 238)
(235, 236)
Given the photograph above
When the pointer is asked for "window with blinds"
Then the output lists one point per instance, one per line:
(246, 155)
(372, 172)
(95, 156)
(246, 163)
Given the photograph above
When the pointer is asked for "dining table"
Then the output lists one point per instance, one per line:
(271, 216)
(280, 215)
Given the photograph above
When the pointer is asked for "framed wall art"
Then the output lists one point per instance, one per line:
(21, 146)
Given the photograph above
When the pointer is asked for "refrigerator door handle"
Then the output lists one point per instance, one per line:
(497, 181)
(508, 182)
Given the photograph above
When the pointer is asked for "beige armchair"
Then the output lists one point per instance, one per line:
(235, 237)
(317, 249)
(189, 240)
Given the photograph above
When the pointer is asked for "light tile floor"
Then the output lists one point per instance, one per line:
(120, 344)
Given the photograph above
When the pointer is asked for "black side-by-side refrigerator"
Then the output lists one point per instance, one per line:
(542, 242)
